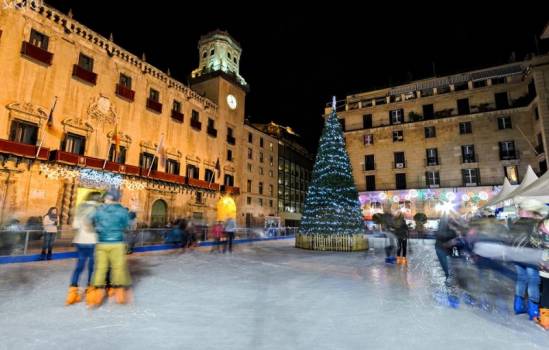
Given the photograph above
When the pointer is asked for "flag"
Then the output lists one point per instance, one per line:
(218, 168)
(160, 150)
(49, 123)
(50, 117)
(116, 142)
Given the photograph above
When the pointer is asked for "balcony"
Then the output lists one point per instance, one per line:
(432, 161)
(177, 116)
(508, 155)
(230, 189)
(84, 74)
(125, 92)
(399, 165)
(36, 53)
(231, 140)
(195, 124)
(203, 184)
(368, 167)
(154, 106)
(23, 150)
(469, 158)
(212, 132)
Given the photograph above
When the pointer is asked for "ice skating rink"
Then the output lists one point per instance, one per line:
(266, 295)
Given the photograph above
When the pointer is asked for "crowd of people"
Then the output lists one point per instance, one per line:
(520, 242)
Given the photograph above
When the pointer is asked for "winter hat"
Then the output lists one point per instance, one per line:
(113, 194)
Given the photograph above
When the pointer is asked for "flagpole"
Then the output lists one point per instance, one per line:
(107, 157)
(49, 122)
(152, 163)
(158, 149)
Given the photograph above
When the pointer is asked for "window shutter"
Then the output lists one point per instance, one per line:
(13, 131)
(478, 175)
(463, 176)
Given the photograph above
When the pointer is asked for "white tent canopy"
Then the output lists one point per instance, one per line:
(537, 190)
(506, 189)
(529, 179)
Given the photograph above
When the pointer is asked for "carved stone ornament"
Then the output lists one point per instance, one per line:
(77, 123)
(102, 109)
(36, 113)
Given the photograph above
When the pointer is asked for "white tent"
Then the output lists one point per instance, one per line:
(506, 189)
(529, 178)
(537, 190)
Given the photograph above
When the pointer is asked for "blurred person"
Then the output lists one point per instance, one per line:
(525, 235)
(85, 240)
(50, 221)
(229, 231)
(401, 233)
(217, 233)
(543, 318)
(131, 236)
(10, 238)
(110, 220)
(443, 242)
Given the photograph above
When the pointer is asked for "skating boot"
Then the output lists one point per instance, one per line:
(121, 295)
(73, 296)
(404, 261)
(110, 291)
(533, 310)
(543, 319)
(390, 260)
(95, 297)
(519, 305)
(399, 260)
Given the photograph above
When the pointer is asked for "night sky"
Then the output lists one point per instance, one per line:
(295, 59)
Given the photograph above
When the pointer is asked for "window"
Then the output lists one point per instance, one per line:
(270, 203)
(250, 153)
(261, 157)
(369, 162)
(195, 116)
(400, 180)
(39, 40)
(212, 51)
(511, 172)
(370, 183)
(154, 95)
(193, 171)
(468, 153)
(250, 137)
(199, 197)
(74, 143)
(249, 186)
(209, 176)
(271, 160)
(125, 81)
(471, 177)
(461, 86)
(271, 174)
(497, 81)
(229, 55)
(172, 166)
(368, 139)
(120, 155)
(400, 161)
(465, 128)
(229, 155)
(432, 178)
(260, 171)
(271, 190)
(479, 84)
(260, 188)
(147, 160)
(176, 106)
(463, 106)
(85, 62)
(342, 123)
(504, 123)
(260, 201)
(398, 136)
(261, 142)
(249, 200)
(432, 156)
(507, 150)
(536, 113)
(204, 54)
(249, 167)
(430, 132)
(24, 132)
(228, 180)
(367, 121)
(396, 116)
(428, 111)
(502, 100)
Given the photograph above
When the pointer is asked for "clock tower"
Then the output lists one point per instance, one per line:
(218, 76)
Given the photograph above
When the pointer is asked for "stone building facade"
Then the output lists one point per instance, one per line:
(78, 112)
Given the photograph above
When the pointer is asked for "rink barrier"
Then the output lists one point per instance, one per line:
(143, 249)
(335, 242)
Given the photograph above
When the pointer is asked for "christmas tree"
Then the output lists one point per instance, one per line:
(331, 206)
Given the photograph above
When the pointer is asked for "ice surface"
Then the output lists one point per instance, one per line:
(265, 296)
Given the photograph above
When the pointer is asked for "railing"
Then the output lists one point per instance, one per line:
(469, 158)
(196, 124)
(84, 74)
(231, 140)
(212, 132)
(17, 242)
(432, 161)
(177, 116)
(154, 105)
(509, 155)
(36, 53)
(23, 149)
(125, 92)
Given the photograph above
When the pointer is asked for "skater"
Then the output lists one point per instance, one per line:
(85, 240)
(229, 230)
(217, 232)
(401, 232)
(110, 219)
(525, 235)
(49, 222)
(543, 319)
(443, 243)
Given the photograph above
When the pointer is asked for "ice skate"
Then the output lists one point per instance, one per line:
(543, 320)
(121, 295)
(95, 297)
(73, 296)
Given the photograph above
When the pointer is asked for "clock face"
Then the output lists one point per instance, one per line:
(231, 101)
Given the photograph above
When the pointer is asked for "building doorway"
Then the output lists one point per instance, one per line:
(159, 213)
